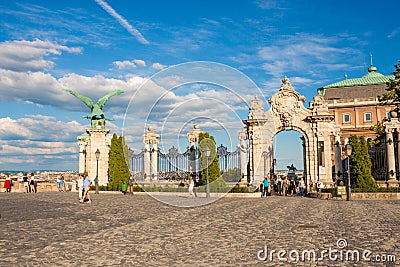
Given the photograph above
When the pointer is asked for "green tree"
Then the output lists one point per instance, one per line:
(361, 163)
(392, 95)
(118, 162)
(217, 183)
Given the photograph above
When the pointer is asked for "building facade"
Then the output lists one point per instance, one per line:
(355, 105)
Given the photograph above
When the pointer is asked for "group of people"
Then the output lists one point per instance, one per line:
(284, 187)
(30, 184)
(83, 187)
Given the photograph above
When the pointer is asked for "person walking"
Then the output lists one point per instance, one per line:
(266, 185)
(7, 183)
(80, 186)
(86, 187)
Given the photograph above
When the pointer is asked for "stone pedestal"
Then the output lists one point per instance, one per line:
(150, 163)
(98, 139)
(393, 183)
(243, 156)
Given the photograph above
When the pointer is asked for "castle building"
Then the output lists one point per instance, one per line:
(354, 102)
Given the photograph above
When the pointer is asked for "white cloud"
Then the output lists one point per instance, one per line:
(39, 128)
(129, 63)
(124, 64)
(303, 52)
(140, 62)
(122, 21)
(158, 66)
(29, 55)
(268, 4)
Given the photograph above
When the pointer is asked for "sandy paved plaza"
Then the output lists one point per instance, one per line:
(53, 229)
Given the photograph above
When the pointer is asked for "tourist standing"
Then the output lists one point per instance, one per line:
(261, 188)
(285, 185)
(302, 186)
(266, 185)
(279, 184)
(80, 186)
(26, 182)
(123, 187)
(86, 187)
(62, 183)
(130, 186)
(191, 187)
(7, 183)
(32, 183)
(58, 181)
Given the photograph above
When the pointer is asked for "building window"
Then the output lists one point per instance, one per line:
(346, 118)
(368, 116)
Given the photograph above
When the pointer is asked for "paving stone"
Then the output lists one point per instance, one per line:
(53, 228)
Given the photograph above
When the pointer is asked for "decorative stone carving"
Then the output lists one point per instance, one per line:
(286, 103)
(256, 109)
(319, 105)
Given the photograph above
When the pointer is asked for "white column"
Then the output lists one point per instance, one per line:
(146, 161)
(338, 157)
(154, 162)
(243, 155)
(82, 157)
(390, 154)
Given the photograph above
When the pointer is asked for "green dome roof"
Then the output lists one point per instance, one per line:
(372, 77)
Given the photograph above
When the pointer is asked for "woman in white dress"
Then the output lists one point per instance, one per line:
(191, 187)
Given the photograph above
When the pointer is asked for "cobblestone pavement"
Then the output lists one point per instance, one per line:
(54, 229)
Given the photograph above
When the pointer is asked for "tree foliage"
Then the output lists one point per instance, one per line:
(118, 162)
(392, 94)
(361, 163)
(214, 173)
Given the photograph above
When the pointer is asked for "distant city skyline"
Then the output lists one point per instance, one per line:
(94, 47)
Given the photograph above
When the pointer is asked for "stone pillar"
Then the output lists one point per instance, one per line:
(146, 161)
(82, 156)
(193, 137)
(390, 154)
(150, 138)
(338, 158)
(98, 139)
(82, 142)
(154, 161)
(243, 155)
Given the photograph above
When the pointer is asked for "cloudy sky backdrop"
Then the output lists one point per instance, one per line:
(94, 47)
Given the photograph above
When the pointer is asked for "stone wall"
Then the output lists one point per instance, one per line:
(41, 187)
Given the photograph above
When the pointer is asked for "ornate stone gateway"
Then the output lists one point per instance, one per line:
(287, 112)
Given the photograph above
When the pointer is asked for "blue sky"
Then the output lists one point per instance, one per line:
(94, 47)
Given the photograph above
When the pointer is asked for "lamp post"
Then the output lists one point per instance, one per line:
(349, 150)
(96, 180)
(207, 152)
